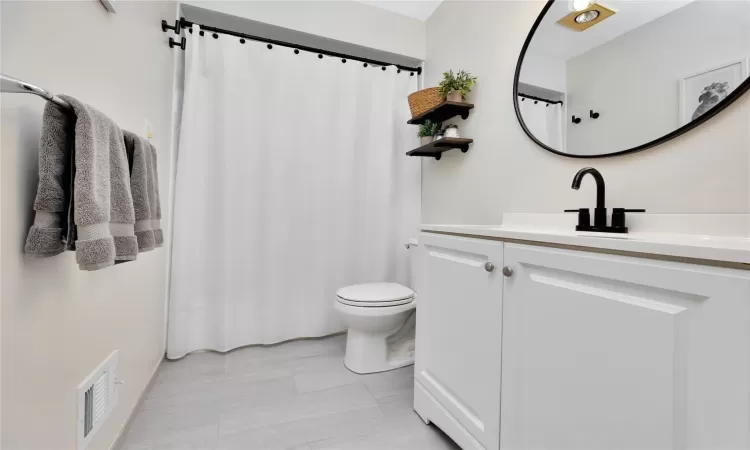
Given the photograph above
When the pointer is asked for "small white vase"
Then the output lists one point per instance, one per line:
(455, 96)
(424, 140)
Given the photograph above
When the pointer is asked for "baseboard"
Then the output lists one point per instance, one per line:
(125, 428)
(430, 410)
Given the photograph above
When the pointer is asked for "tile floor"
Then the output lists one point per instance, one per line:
(293, 396)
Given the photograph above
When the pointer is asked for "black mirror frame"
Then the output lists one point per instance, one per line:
(734, 95)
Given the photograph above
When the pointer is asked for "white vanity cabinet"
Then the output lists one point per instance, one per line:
(598, 351)
(611, 352)
(459, 327)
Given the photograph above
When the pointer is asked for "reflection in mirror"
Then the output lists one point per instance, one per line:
(612, 76)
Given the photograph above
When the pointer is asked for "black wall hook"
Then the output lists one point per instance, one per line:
(576, 119)
(593, 115)
(182, 44)
(165, 27)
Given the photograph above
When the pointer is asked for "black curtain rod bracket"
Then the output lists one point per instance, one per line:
(182, 23)
(165, 27)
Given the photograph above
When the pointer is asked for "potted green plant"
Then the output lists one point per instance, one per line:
(427, 130)
(455, 88)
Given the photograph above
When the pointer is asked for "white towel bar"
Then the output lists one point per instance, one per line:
(13, 85)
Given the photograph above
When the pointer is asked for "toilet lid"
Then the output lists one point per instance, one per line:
(375, 293)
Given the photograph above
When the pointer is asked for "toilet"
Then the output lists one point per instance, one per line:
(381, 320)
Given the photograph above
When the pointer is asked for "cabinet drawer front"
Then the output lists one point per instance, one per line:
(459, 330)
(613, 352)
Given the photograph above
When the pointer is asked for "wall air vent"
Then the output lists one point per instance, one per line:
(97, 397)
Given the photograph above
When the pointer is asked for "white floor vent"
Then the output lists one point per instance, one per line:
(97, 397)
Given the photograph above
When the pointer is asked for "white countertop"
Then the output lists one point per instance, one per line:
(716, 237)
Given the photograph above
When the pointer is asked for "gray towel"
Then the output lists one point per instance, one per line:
(102, 201)
(156, 205)
(53, 202)
(141, 186)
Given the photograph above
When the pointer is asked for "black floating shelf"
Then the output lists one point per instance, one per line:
(435, 149)
(443, 112)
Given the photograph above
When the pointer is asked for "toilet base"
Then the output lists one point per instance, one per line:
(379, 352)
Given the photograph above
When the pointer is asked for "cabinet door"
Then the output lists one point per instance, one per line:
(459, 325)
(610, 352)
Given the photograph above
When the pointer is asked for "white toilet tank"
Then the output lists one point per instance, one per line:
(416, 254)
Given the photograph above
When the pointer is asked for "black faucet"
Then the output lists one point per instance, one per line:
(600, 213)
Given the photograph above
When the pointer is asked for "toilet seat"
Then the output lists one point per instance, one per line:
(375, 304)
(375, 295)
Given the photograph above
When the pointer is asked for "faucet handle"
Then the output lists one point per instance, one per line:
(584, 218)
(618, 216)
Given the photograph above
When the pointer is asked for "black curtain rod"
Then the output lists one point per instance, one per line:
(551, 102)
(185, 23)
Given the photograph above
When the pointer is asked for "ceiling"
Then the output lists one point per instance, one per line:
(630, 14)
(416, 9)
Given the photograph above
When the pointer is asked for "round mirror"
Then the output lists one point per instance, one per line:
(603, 79)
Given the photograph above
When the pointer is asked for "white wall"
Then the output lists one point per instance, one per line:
(59, 323)
(544, 70)
(704, 171)
(632, 80)
(343, 20)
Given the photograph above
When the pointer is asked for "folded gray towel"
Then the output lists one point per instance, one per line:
(141, 186)
(53, 200)
(156, 206)
(102, 202)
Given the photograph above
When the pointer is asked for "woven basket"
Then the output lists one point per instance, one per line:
(424, 100)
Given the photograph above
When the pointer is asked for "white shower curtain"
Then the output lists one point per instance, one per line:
(291, 182)
(544, 120)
